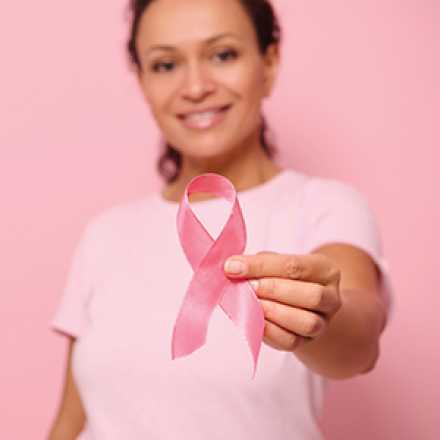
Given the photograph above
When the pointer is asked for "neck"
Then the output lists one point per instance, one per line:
(245, 168)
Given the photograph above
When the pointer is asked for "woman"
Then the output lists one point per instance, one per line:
(313, 248)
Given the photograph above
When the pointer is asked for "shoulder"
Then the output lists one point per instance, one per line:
(325, 189)
(336, 210)
(117, 221)
(329, 196)
(318, 190)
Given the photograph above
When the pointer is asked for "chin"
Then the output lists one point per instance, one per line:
(207, 156)
(206, 150)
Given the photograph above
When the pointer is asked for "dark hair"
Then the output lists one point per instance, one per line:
(268, 32)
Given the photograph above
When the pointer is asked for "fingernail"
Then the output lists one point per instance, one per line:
(254, 284)
(235, 266)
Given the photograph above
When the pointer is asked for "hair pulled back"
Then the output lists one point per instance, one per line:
(268, 32)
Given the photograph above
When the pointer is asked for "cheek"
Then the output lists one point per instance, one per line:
(246, 82)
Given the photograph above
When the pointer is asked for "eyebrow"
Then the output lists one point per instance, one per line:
(209, 40)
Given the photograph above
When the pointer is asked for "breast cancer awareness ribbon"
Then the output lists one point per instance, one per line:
(209, 286)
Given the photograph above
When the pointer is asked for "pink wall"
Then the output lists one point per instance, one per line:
(356, 100)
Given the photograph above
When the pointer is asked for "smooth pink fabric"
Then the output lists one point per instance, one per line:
(209, 286)
(126, 283)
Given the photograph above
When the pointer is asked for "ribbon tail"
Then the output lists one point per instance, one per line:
(241, 305)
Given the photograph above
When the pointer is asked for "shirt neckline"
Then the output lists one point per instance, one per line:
(243, 195)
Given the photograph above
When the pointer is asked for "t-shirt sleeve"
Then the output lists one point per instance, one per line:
(70, 315)
(337, 212)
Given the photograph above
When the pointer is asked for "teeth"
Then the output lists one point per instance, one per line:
(201, 118)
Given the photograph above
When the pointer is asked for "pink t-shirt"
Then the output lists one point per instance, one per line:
(125, 286)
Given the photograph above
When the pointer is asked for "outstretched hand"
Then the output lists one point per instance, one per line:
(299, 294)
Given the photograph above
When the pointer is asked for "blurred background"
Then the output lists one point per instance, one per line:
(358, 99)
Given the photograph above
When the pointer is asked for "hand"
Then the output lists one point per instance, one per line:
(299, 295)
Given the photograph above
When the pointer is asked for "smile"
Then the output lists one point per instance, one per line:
(204, 120)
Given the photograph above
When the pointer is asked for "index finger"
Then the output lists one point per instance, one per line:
(315, 268)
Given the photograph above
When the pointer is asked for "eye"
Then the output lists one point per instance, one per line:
(227, 54)
(156, 67)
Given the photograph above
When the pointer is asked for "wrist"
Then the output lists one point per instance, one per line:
(349, 345)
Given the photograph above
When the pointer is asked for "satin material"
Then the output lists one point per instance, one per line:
(209, 286)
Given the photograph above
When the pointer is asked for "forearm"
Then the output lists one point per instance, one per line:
(350, 345)
(71, 417)
(65, 431)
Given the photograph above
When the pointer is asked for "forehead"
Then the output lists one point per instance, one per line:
(176, 22)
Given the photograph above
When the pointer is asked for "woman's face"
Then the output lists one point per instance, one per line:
(210, 60)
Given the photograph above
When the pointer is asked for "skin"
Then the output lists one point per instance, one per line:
(196, 74)
(323, 307)
(71, 416)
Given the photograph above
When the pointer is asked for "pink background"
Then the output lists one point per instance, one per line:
(356, 100)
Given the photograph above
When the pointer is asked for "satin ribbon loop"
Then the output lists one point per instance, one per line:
(209, 286)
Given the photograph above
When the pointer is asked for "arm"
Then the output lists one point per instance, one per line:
(71, 417)
(351, 344)
(325, 307)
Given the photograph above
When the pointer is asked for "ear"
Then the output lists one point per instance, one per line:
(271, 67)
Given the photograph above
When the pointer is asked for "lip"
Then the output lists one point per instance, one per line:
(219, 117)
(208, 109)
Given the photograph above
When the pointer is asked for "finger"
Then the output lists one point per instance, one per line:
(281, 339)
(306, 295)
(294, 320)
(316, 268)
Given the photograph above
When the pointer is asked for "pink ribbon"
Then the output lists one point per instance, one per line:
(209, 285)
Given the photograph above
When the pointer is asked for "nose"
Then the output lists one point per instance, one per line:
(197, 82)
